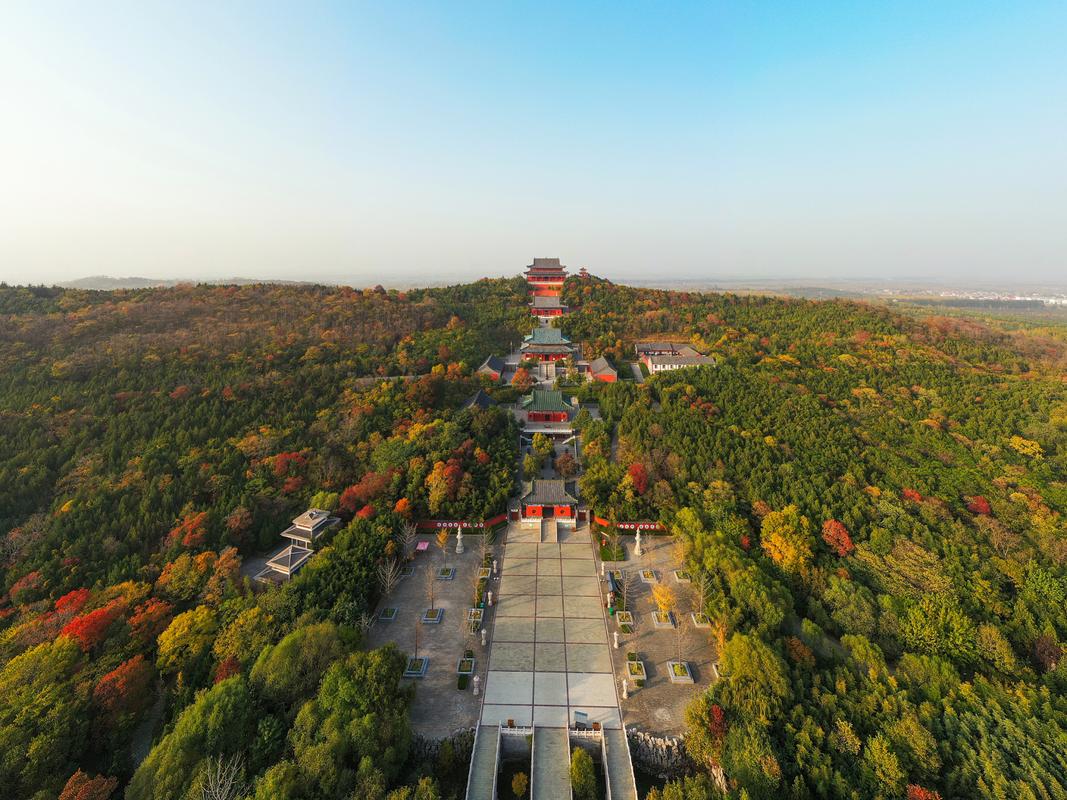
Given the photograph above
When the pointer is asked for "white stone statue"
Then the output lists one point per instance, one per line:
(494, 566)
(637, 544)
(477, 681)
(489, 598)
(459, 541)
(483, 637)
(616, 639)
(625, 688)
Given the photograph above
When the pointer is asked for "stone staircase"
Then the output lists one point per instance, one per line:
(549, 531)
(481, 780)
(621, 783)
(550, 771)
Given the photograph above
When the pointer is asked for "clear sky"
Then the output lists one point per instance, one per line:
(419, 141)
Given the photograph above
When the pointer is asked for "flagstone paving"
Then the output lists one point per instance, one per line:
(550, 652)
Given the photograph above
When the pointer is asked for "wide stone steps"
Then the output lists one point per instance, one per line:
(481, 783)
(551, 768)
(620, 768)
(549, 531)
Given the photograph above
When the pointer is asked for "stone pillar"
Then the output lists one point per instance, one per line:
(483, 637)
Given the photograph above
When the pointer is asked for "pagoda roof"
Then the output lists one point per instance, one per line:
(312, 518)
(493, 363)
(546, 265)
(547, 348)
(601, 366)
(548, 492)
(546, 335)
(546, 400)
(479, 400)
(665, 348)
(290, 559)
(547, 301)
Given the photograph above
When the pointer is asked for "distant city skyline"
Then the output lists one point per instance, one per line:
(385, 143)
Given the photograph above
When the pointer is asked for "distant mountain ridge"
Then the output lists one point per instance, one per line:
(106, 282)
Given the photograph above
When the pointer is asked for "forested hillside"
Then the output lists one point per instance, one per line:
(152, 439)
(874, 504)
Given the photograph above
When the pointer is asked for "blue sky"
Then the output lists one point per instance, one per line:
(421, 141)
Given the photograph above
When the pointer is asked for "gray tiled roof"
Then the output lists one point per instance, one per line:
(548, 492)
(479, 400)
(547, 301)
(492, 363)
(667, 348)
(600, 366)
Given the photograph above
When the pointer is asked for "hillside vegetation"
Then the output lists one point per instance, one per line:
(875, 506)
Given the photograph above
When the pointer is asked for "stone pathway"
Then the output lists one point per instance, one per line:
(549, 655)
(549, 659)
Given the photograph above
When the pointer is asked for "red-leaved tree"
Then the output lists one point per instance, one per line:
(639, 475)
(916, 792)
(126, 689)
(836, 535)
(978, 505)
(82, 786)
(72, 602)
(150, 619)
(89, 630)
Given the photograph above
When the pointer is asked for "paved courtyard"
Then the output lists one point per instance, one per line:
(659, 707)
(439, 708)
(550, 652)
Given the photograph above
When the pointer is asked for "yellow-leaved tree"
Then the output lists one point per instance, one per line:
(787, 539)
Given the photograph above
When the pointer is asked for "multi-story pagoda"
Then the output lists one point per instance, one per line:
(547, 307)
(547, 344)
(545, 277)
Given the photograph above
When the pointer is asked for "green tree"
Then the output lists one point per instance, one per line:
(42, 718)
(291, 670)
(756, 684)
(220, 722)
(583, 776)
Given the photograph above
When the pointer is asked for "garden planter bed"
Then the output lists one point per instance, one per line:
(416, 667)
(446, 573)
(662, 619)
(636, 670)
(387, 614)
(682, 576)
(700, 620)
(649, 576)
(433, 616)
(679, 672)
(465, 666)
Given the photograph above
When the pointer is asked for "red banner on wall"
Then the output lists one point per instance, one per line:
(630, 526)
(436, 524)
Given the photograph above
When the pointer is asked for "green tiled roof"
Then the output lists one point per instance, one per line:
(546, 400)
(547, 336)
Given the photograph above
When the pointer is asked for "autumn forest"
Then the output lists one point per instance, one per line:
(874, 500)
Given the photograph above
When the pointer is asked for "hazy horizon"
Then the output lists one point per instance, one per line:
(377, 144)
